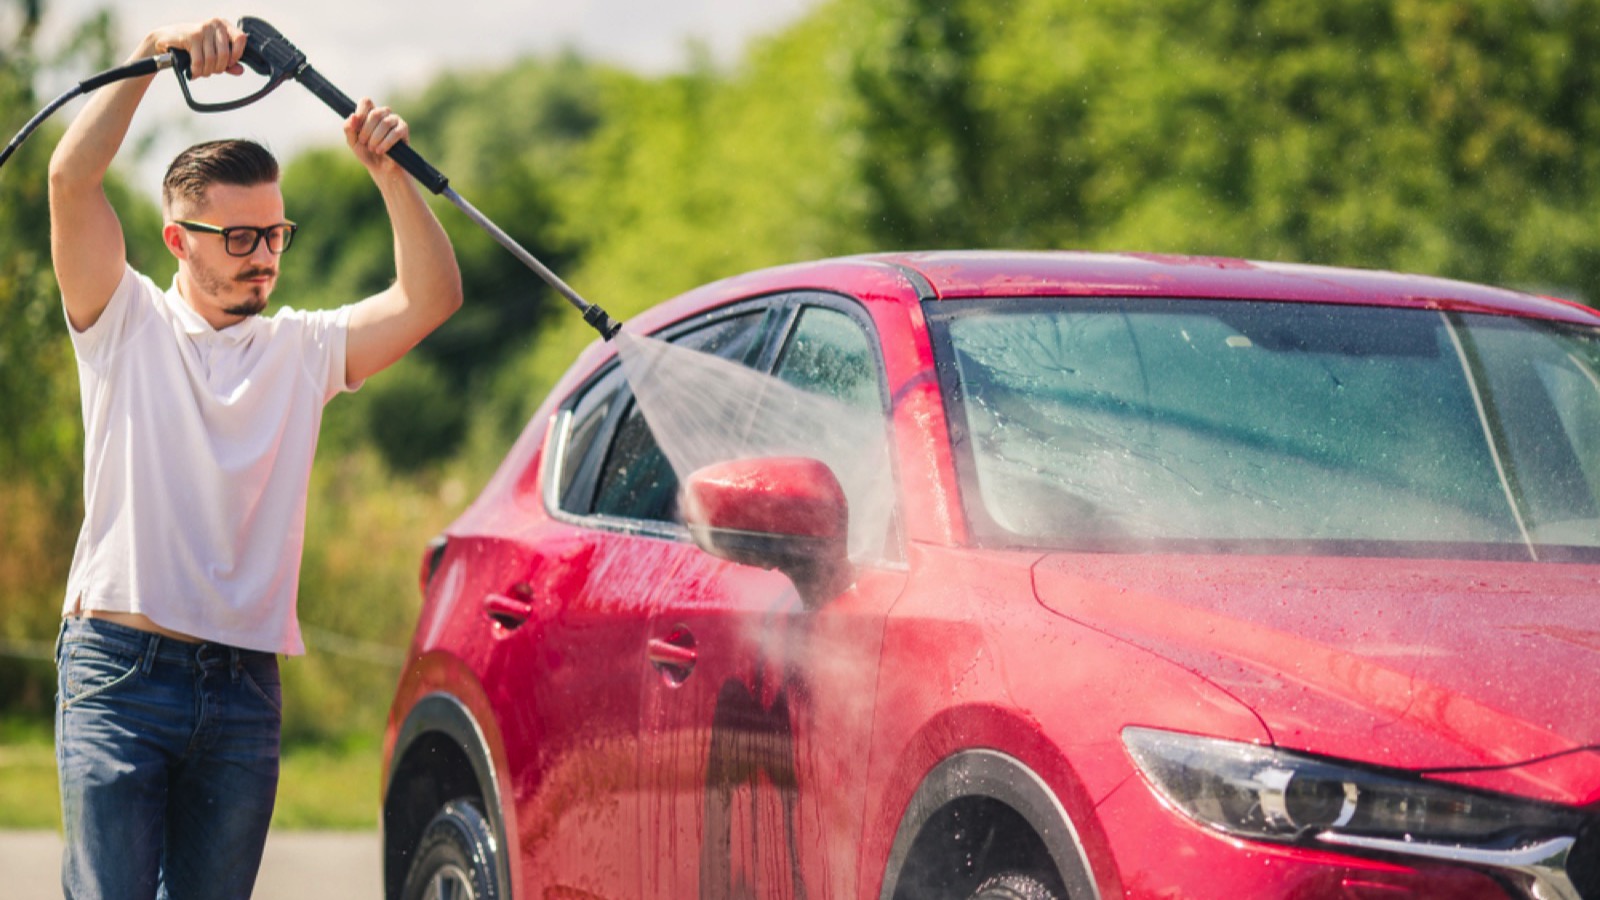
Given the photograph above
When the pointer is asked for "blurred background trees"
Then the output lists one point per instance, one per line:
(1451, 137)
(41, 440)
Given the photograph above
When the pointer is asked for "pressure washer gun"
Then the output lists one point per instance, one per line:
(267, 52)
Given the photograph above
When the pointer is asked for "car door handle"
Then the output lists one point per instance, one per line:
(673, 656)
(507, 611)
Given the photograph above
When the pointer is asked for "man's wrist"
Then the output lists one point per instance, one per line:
(391, 176)
(150, 46)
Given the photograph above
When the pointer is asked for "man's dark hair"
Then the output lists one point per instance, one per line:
(234, 161)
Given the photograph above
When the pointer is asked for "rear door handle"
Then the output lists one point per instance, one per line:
(508, 611)
(673, 656)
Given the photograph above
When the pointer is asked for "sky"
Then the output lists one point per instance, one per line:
(379, 49)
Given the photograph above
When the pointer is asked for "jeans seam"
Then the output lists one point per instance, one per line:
(250, 680)
(69, 702)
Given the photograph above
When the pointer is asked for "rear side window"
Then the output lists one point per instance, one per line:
(637, 481)
(611, 464)
(588, 416)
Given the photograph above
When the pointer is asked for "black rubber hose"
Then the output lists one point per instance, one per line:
(147, 66)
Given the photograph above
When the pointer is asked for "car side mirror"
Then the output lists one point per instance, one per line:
(784, 513)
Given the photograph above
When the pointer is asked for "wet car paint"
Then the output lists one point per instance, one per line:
(782, 762)
(1322, 649)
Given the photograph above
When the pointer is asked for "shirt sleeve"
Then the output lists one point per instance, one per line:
(326, 334)
(130, 304)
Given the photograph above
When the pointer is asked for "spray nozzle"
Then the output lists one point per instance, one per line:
(599, 321)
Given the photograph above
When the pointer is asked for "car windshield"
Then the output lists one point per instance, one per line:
(1140, 423)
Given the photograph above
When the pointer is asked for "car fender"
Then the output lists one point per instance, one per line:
(998, 776)
(452, 715)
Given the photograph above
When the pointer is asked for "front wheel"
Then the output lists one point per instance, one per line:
(1013, 886)
(456, 857)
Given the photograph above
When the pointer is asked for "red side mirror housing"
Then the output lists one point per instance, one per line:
(784, 513)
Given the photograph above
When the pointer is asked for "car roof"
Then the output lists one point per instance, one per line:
(972, 274)
(987, 274)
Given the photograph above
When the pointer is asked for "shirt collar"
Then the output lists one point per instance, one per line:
(197, 327)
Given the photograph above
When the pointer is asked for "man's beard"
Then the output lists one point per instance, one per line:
(217, 285)
(251, 306)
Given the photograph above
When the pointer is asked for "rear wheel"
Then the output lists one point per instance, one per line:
(456, 858)
(1013, 886)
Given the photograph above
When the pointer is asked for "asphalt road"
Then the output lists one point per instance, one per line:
(298, 865)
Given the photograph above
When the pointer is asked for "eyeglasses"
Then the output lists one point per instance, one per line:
(242, 240)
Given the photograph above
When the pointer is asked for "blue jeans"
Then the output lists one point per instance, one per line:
(168, 758)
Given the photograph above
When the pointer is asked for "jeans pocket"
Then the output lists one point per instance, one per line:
(265, 685)
(89, 671)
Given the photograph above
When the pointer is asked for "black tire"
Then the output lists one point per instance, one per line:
(1013, 886)
(455, 859)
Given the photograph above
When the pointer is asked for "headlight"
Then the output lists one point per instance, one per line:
(1263, 793)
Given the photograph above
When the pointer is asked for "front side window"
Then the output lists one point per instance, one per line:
(1148, 423)
(829, 354)
(832, 363)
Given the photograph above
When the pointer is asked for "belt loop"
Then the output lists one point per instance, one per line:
(235, 663)
(151, 648)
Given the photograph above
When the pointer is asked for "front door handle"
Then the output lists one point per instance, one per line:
(673, 656)
(507, 611)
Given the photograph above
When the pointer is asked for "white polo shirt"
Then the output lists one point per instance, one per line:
(197, 457)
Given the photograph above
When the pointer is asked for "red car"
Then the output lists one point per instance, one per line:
(1084, 576)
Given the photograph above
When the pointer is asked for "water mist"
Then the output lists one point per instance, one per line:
(704, 409)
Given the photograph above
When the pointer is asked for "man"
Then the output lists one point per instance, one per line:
(200, 418)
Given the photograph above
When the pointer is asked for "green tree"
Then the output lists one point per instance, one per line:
(503, 164)
(35, 359)
(1448, 136)
(507, 139)
(35, 368)
(701, 175)
(926, 138)
(41, 440)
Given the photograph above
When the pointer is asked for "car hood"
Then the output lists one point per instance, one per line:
(1492, 669)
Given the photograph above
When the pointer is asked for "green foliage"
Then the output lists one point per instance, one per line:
(41, 445)
(1449, 137)
(367, 528)
(506, 138)
(1454, 137)
(702, 175)
(36, 373)
(415, 417)
(344, 250)
(925, 138)
(330, 785)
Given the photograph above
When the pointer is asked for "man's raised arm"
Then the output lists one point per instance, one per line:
(427, 289)
(86, 240)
